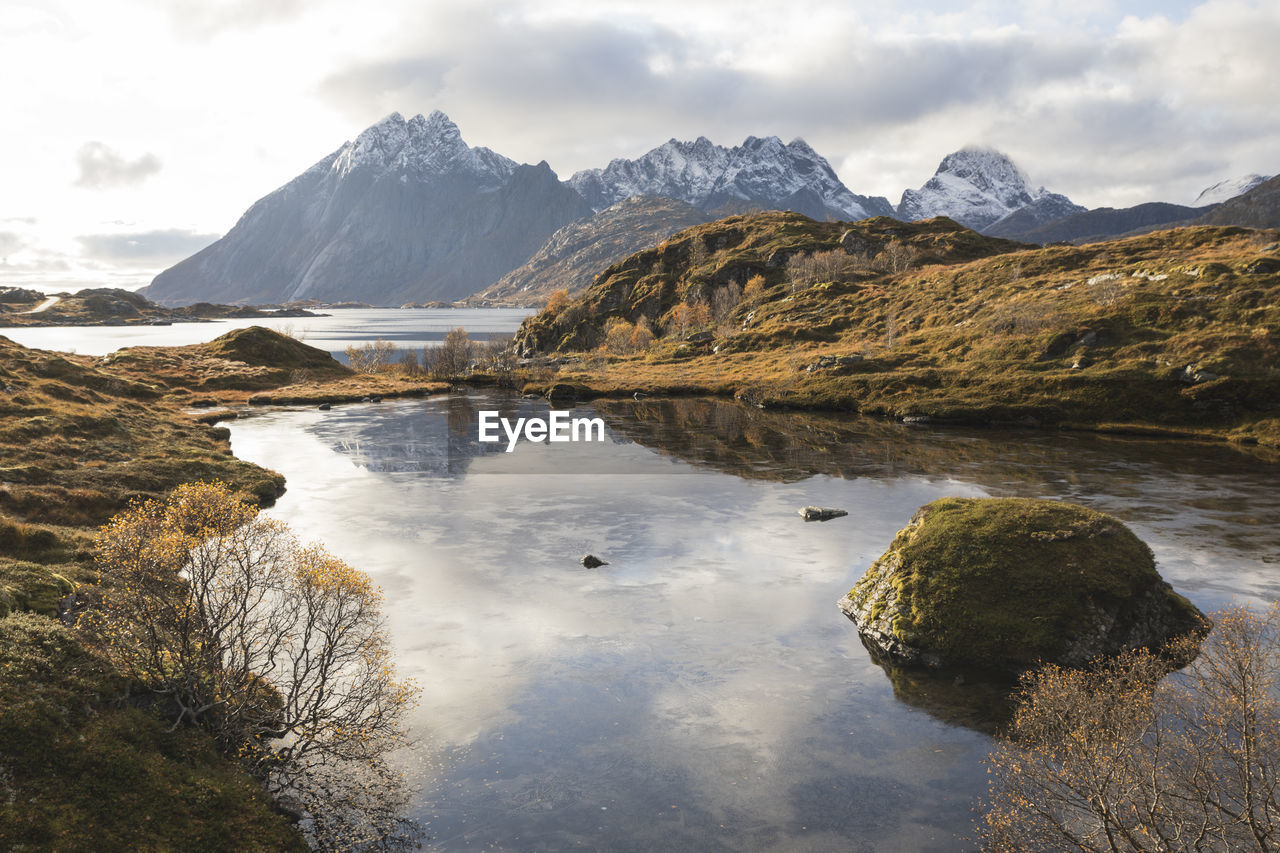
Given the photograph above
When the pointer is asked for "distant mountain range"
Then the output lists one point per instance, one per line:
(408, 212)
(758, 174)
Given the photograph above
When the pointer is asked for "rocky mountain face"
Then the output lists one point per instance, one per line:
(978, 187)
(407, 211)
(760, 174)
(579, 251)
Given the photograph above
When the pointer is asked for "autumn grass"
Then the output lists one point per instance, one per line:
(82, 438)
(80, 772)
(1176, 332)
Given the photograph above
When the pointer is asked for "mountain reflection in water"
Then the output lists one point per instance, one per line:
(703, 691)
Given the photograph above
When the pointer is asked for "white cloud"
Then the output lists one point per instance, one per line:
(102, 168)
(1110, 103)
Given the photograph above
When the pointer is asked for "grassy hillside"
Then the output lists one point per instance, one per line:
(1177, 331)
(80, 437)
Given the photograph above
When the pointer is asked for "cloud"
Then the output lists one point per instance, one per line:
(201, 19)
(148, 247)
(1118, 109)
(102, 168)
(10, 243)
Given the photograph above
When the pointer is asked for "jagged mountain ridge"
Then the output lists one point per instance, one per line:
(406, 211)
(978, 187)
(762, 173)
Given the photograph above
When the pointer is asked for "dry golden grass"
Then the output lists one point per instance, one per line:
(1176, 331)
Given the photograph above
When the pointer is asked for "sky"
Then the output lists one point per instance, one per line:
(136, 132)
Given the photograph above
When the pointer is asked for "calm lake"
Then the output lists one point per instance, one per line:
(701, 692)
(407, 328)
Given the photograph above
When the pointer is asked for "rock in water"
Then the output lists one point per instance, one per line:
(1007, 583)
(821, 513)
(591, 561)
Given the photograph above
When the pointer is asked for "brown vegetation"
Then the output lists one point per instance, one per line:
(275, 648)
(1175, 331)
(1122, 758)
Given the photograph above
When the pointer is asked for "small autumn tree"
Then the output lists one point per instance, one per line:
(372, 357)
(723, 301)
(641, 335)
(452, 358)
(1124, 758)
(618, 334)
(557, 302)
(275, 648)
(688, 316)
(753, 291)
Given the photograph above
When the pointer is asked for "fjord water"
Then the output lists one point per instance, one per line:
(407, 328)
(702, 691)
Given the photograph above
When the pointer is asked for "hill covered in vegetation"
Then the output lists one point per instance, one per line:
(85, 758)
(1175, 331)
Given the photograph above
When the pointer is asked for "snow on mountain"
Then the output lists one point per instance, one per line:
(405, 212)
(1228, 189)
(977, 187)
(421, 147)
(761, 172)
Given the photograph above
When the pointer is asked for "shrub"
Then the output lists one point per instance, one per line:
(373, 357)
(452, 358)
(686, 317)
(1122, 758)
(275, 648)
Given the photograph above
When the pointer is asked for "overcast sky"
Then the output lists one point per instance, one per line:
(136, 132)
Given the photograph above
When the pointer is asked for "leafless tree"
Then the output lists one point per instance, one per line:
(373, 357)
(277, 649)
(452, 358)
(1123, 758)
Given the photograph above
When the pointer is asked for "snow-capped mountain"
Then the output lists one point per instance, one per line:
(978, 187)
(1228, 189)
(405, 212)
(420, 147)
(761, 172)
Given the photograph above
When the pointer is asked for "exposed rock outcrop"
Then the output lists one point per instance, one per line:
(1007, 583)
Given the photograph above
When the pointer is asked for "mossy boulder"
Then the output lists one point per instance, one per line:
(1008, 583)
(30, 586)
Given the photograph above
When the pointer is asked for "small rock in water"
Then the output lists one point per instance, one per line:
(591, 561)
(821, 513)
(324, 407)
(376, 400)
(366, 400)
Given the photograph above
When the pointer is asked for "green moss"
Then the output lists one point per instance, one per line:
(30, 586)
(80, 772)
(989, 581)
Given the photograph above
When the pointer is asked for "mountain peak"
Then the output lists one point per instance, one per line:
(1228, 189)
(977, 186)
(761, 172)
(422, 147)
